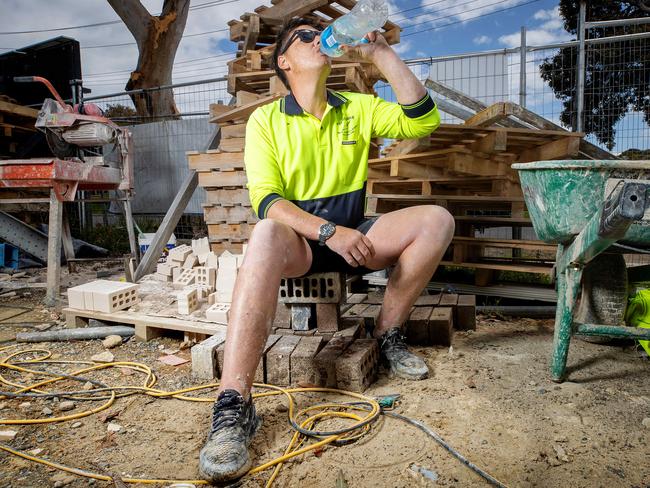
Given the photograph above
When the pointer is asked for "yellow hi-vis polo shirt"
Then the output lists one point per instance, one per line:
(322, 165)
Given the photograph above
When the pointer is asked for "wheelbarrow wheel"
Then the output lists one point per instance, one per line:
(604, 294)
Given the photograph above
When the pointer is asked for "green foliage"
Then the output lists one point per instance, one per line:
(120, 114)
(616, 74)
(636, 154)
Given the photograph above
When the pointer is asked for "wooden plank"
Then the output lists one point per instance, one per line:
(244, 111)
(143, 322)
(406, 169)
(220, 196)
(12, 108)
(215, 160)
(490, 116)
(455, 95)
(220, 179)
(494, 142)
(286, 9)
(252, 32)
(234, 130)
(229, 231)
(506, 243)
(215, 214)
(566, 147)
(520, 268)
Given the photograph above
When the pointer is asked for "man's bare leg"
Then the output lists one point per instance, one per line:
(274, 251)
(415, 239)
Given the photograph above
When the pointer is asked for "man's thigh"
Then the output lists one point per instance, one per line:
(393, 232)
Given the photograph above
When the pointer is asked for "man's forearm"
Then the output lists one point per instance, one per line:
(406, 85)
(304, 223)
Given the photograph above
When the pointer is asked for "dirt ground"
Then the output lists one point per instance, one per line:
(490, 397)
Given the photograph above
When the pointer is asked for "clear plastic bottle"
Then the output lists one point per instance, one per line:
(350, 29)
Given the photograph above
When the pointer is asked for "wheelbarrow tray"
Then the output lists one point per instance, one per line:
(562, 196)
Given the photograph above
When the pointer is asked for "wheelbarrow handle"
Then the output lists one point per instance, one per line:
(23, 79)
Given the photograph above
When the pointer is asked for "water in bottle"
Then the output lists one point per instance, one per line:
(350, 29)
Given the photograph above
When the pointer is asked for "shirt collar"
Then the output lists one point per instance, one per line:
(290, 105)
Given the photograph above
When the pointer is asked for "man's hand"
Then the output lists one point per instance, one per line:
(355, 247)
(367, 51)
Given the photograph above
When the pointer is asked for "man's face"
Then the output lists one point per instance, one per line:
(302, 52)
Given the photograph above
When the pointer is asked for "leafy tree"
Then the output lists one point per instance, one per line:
(157, 38)
(617, 75)
(121, 113)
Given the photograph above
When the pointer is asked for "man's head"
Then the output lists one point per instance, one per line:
(297, 49)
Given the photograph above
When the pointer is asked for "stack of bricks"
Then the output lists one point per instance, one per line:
(252, 83)
(200, 275)
(310, 343)
(103, 296)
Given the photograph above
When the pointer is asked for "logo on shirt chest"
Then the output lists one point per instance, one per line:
(347, 130)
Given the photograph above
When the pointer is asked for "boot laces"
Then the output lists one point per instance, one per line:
(226, 411)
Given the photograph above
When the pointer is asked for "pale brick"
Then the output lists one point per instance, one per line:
(188, 301)
(204, 357)
(205, 276)
(313, 288)
(218, 312)
(107, 296)
(180, 253)
(190, 261)
(187, 277)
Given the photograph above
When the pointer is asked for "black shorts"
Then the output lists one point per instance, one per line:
(324, 259)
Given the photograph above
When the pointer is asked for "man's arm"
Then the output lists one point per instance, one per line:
(405, 84)
(351, 244)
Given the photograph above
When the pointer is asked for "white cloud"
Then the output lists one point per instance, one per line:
(480, 40)
(550, 30)
(402, 47)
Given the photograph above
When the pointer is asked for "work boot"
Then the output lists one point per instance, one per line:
(397, 357)
(225, 455)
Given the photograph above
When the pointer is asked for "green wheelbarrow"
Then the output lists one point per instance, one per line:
(594, 211)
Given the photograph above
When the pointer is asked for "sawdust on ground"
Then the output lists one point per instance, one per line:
(491, 398)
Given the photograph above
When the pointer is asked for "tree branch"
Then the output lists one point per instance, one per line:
(135, 17)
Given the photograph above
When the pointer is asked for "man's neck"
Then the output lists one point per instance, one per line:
(311, 96)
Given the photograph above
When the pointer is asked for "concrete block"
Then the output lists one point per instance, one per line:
(327, 317)
(218, 312)
(226, 277)
(278, 361)
(187, 277)
(301, 317)
(417, 326)
(441, 324)
(204, 357)
(224, 296)
(357, 366)
(76, 298)
(314, 288)
(201, 246)
(354, 328)
(188, 301)
(205, 276)
(166, 268)
(202, 291)
(161, 277)
(260, 372)
(178, 254)
(105, 296)
(466, 313)
(325, 360)
(212, 298)
(240, 260)
(282, 317)
(190, 261)
(176, 272)
(211, 260)
(303, 364)
(227, 260)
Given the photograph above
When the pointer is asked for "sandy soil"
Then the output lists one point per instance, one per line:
(491, 399)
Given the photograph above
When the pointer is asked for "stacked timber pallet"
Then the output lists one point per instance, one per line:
(252, 84)
(466, 169)
(16, 127)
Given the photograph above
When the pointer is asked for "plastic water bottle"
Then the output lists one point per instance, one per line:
(350, 29)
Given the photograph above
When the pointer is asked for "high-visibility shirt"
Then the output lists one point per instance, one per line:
(322, 165)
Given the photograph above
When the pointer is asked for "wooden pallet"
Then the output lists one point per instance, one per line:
(147, 327)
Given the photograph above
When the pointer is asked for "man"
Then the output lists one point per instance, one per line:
(306, 161)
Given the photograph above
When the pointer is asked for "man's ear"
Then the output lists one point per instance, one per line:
(282, 62)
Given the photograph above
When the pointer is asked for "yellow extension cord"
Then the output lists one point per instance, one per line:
(360, 425)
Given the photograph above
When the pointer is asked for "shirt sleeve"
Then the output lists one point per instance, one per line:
(395, 121)
(262, 170)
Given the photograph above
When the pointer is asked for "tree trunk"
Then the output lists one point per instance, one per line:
(157, 38)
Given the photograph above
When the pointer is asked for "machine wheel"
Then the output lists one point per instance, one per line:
(604, 294)
(59, 147)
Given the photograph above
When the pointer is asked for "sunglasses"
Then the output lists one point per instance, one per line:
(305, 35)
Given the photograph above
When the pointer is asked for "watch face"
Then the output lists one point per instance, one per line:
(328, 229)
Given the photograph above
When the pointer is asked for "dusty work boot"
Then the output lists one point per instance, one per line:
(225, 455)
(397, 357)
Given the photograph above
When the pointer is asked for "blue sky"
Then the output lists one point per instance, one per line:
(477, 25)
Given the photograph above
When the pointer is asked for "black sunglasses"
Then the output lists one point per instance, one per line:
(305, 35)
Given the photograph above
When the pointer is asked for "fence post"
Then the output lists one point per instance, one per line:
(522, 68)
(580, 92)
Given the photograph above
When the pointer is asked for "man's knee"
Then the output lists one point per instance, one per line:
(270, 232)
(437, 222)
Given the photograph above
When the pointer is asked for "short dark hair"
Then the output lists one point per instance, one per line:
(281, 39)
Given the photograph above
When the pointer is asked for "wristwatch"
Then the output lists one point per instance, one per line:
(325, 232)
